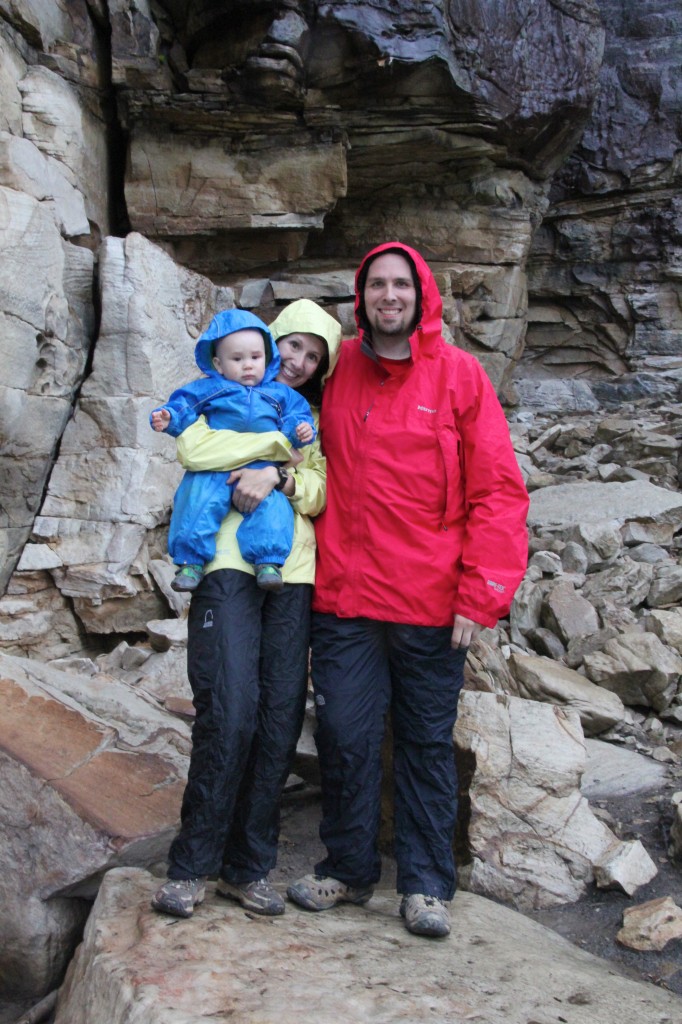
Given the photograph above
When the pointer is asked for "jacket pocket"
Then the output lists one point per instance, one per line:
(452, 453)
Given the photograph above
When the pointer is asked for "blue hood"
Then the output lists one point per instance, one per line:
(227, 322)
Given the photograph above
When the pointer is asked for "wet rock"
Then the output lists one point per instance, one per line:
(627, 868)
(544, 641)
(544, 680)
(568, 613)
(639, 668)
(135, 966)
(167, 633)
(574, 557)
(532, 838)
(579, 646)
(666, 586)
(95, 774)
(622, 586)
(571, 504)
(613, 771)
(651, 925)
(667, 625)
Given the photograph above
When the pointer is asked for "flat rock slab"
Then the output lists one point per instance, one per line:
(588, 502)
(354, 964)
(615, 771)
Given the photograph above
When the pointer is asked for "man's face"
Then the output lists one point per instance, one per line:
(390, 300)
(240, 356)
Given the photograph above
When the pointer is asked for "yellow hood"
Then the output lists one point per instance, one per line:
(306, 316)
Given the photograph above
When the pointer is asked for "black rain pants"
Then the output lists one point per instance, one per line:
(247, 659)
(361, 668)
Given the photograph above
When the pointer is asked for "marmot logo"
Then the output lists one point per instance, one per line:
(424, 408)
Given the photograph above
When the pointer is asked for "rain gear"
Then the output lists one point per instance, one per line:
(247, 658)
(425, 519)
(201, 449)
(426, 506)
(203, 498)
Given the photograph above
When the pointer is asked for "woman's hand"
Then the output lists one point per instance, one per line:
(252, 486)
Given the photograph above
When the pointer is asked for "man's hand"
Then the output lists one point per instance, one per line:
(252, 486)
(160, 419)
(464, 632)
(304, 433)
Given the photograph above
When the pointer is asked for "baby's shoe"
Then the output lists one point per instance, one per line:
(269, 577)
(188, 577)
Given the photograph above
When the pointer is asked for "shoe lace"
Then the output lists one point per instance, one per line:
(433, 901)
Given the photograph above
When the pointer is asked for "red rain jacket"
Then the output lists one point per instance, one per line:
(426, 507)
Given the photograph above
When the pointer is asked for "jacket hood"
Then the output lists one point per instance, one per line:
(306, 316)
(429, 329)
(227, 322)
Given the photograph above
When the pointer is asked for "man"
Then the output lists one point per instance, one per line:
(422, 544)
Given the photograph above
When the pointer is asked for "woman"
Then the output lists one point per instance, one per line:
(247, 652)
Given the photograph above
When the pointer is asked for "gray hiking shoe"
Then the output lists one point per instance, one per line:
(425, 915)
(180, 896)
(269, 577)
(319, 892)
(187, 578)
(258, 896)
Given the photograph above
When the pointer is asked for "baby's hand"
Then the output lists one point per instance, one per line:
(160, 419)
(304, 433)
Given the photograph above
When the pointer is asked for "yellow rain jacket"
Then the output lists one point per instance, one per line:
(200, 448)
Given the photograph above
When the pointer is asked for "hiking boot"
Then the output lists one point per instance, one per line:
(269, 577)
(179, 896)
(425, 915)
(258, 896)
(188, 577)
(319, 892)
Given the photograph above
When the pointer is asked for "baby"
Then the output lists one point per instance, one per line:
(239, 392)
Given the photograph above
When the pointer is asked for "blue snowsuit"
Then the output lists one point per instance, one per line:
(203, 498)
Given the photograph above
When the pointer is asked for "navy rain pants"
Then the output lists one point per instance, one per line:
(360, 669)
(247, 661)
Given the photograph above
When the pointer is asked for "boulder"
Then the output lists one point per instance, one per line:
(613, 771)
(568, 613)
(651, 925)
(531, 837)
(138, 967)
(639, 668)
(95, 773)
(568, 505)
(542, 679)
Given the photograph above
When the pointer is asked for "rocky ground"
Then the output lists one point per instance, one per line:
(591, 923)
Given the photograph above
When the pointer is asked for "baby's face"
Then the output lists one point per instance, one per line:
(240, 356)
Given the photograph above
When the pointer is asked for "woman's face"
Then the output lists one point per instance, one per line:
(300, 355)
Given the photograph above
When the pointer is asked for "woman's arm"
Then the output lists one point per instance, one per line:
(306, 486)
(310, 482)
(200, 448)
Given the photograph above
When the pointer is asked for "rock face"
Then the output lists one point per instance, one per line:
(93, 772)
(242, 151)
(136, 966)
(605, 320)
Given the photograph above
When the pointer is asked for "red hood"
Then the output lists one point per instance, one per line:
(429, 326)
